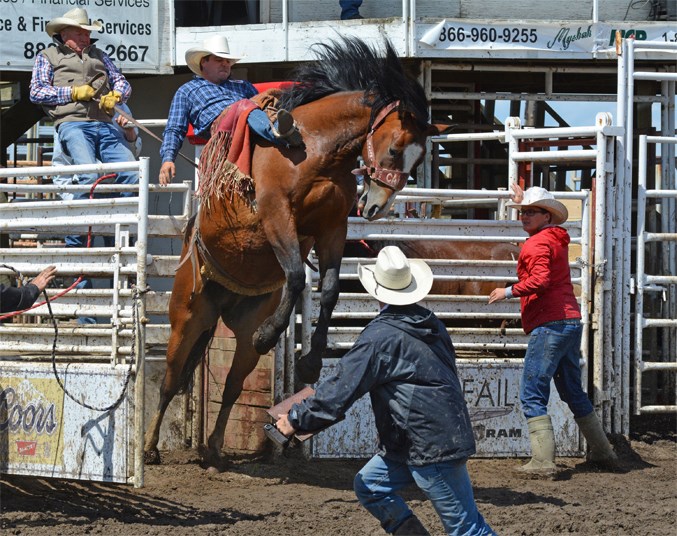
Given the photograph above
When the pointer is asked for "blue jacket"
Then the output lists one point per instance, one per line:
(405, 360)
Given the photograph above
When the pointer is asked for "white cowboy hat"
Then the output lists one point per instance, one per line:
(540, 198)
(217, 45)
(394, 279)
(75, 17)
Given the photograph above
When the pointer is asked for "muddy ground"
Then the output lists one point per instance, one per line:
(290, 495)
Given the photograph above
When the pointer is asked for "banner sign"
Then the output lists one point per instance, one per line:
(492, 396)
(43, 432)
(552, 40)
(130, 34)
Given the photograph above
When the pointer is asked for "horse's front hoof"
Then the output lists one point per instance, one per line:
(152, 457)
(308, 369)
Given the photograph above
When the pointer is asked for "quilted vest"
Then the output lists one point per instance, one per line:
(72, 70)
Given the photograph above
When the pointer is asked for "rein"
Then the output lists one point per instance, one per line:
(390, 178)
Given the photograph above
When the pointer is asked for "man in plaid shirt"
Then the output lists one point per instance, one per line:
(200, 101)
(63, 83)
(78, 86)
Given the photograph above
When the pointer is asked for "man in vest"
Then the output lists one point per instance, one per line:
(78, 86)
(66, 81)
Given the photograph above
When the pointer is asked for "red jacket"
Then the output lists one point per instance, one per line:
(544, 287)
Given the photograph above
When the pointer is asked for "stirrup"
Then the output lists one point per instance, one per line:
(287, 129)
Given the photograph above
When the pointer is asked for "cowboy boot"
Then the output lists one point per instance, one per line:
(287, 129)
(411, 527)
(600, 451)
(542, 438)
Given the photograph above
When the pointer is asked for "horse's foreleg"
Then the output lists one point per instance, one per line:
(329, 251)
(192, 325)
(285, 243)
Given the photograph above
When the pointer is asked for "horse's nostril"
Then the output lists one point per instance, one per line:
(372, 211)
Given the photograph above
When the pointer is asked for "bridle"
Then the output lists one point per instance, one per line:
(390, 178)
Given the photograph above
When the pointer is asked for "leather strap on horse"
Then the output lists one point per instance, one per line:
(211, 270)
(390, 178)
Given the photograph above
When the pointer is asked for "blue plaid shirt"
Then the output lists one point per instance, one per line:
(44, 92)
(199, 102)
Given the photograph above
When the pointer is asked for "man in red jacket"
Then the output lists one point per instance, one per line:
(550, 313)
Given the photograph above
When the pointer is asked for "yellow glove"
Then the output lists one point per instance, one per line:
(83, 93)
(109, 100)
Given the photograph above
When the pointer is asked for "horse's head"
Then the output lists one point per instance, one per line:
(395, 146)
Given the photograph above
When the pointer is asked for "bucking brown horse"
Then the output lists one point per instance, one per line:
(243, 257)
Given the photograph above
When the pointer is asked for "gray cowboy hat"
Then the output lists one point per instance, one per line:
(75, 17)
(394, 279)
(217, 45)
(538, 197)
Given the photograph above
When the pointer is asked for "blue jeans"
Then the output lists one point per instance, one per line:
(349, 8)
(446, 484)
(554, 352)
(90, 142)
(259, 122)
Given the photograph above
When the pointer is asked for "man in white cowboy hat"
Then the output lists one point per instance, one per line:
(550, 313)
(78, 86)
(200, 101)
(406, 361)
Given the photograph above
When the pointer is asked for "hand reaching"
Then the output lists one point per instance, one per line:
(497, 294)
(44, 278)
(517, 193)
(167, 172)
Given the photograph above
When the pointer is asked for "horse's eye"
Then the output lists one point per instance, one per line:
(393, 152)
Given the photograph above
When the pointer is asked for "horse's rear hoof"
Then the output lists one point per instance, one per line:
(308, 370)
(211, 460)
(151, 457)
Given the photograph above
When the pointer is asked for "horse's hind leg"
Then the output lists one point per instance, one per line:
(193, 319)
(250, 312)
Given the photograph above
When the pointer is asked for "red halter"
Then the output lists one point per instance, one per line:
(390, 178)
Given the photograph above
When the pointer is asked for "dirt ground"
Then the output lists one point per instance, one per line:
(287, 494)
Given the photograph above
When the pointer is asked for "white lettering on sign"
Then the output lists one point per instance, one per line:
(129, 33)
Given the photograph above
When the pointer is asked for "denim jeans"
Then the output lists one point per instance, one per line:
(446, 484)
(349, 8)
(90, 142)
(554, 352)
(259, 122)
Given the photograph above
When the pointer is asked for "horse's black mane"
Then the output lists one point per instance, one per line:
(352, 65)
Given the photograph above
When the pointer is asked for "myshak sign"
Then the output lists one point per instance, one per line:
(535, 39)
(130, 34)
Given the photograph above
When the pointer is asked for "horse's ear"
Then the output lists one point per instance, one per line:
(437, 129)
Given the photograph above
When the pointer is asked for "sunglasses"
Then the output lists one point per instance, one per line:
(531, 212)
